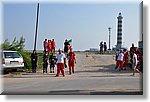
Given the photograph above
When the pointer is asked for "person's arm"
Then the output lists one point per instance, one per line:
(134, 60)
(68, 44)
(50, 59)
(64, 58)
(54, 44)
(36, 58)
(75, 58)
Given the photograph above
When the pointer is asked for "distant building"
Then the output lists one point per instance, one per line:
(92, 50)
(140, 43)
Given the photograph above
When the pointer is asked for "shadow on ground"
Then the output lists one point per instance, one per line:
(76, 92)
(29, 75)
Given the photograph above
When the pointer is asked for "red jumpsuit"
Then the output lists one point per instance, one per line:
(132, 49)
(71, 61)
(60, 67)
(53, 45)
(126, 54)
(45, 45)
(49, 47)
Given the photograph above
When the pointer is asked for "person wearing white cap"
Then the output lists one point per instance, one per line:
(61, 61)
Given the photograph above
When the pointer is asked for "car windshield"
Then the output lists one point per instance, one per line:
(12, 55)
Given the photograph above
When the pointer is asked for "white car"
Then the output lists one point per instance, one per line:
(12, 60)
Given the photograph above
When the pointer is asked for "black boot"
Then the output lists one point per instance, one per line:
(69, 72)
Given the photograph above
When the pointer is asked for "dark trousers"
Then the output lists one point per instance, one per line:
(45, 65)
(34, 67)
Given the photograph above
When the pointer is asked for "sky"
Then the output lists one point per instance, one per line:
(85, 23)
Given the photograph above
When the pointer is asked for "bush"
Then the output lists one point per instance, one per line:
(27, 59)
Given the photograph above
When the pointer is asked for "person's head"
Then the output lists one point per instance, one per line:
(124, 50)
(71, 50)
(45, 39)
(104, 42)
(48, 40)
(132, 45)
(52, 39)
(34, 51)
(66, 40)
(60, 51)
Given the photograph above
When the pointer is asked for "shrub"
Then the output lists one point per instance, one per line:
(27, 59)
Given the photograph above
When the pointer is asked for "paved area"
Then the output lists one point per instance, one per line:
(95, 75)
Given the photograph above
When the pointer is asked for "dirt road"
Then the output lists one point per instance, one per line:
(94, 74)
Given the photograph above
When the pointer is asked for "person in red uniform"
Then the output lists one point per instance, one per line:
(131, 50)
(45, 45)
(126, 57)
(140, 59)
(71, 61)
(53, 43)
(49, 46)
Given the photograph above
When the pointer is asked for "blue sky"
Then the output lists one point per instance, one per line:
(85, 23)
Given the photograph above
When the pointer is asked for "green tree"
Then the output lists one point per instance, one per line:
(5, 45)
(15, 45)
(21, 43)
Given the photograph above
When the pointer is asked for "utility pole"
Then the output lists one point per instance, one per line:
(109, 29)
(36, 31)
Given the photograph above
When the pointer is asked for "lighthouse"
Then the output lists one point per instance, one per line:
(119, 32)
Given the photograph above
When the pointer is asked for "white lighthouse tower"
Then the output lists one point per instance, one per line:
(119, 32)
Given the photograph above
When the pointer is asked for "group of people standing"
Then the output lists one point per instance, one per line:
(134, 57)
(103, 47)
(49, 45)
(49, 57)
